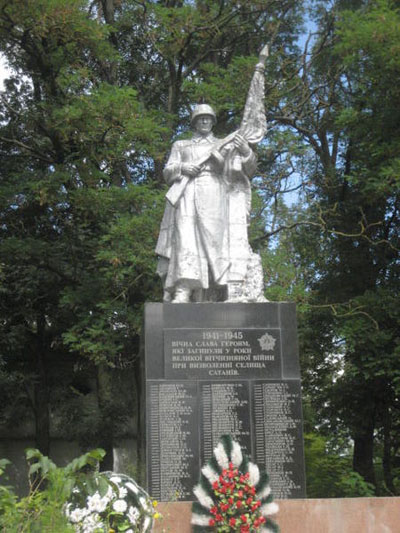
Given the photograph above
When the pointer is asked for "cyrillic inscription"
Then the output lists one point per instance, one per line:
(225, 410)
(278, 435)
(173, 433)
(223, 353)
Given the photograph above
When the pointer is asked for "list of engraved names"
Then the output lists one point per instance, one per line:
(225, 411)
(173, 436)
(278, 434)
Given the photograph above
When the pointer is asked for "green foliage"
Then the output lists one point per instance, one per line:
(329, 475)
(88, 115)
(50, 489)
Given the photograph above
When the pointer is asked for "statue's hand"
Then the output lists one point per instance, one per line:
(242, 145)
(190, 170)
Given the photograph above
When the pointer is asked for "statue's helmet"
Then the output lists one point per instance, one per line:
(203, 109)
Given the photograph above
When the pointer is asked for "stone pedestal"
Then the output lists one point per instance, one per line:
(214, 369)
(351, 515)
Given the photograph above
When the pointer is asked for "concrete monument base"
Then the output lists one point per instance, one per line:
(221, 368)
(350, 515)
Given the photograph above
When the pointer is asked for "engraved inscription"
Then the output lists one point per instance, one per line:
(173, 437)
(221, 354)
(211, 374)
(278, 435)
(225, 410)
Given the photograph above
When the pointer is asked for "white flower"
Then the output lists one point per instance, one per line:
(92, 523)
(96, 503)
(220, 454)
(120, 506)
(269, 508)
(210, 473)
(203, 497)
(115, 479)
(133, 515)
(237, 456)
(254, 474)
(123, 492)
(77, 515)
(266, 491)
(200, 520)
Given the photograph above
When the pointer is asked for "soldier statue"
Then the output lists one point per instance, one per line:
(203, 248)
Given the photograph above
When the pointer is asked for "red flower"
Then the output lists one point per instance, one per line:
(260, 520)
(234, 494)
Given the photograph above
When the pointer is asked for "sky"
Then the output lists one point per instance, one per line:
(3, 72)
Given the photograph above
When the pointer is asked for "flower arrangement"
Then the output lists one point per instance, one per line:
(233, 496)
(111, 503)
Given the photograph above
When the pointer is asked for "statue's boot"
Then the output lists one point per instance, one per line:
(181, 296)
(235, 292)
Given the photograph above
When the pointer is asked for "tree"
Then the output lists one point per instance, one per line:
(338, 110)
(65, 130)
(99, 91)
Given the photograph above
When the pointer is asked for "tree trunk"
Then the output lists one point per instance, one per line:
(387, 446)
(106, 429)
(108, 8)
(41, 393)
(364, 452)
(141, 408)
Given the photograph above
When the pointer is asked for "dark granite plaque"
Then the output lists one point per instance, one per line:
(213, 353)
(224, 410)
(278, 435)
(214, 369)
(172, 434)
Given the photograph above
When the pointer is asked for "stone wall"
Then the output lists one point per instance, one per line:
(351, 515)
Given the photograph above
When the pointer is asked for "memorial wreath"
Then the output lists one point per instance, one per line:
(233, 495)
